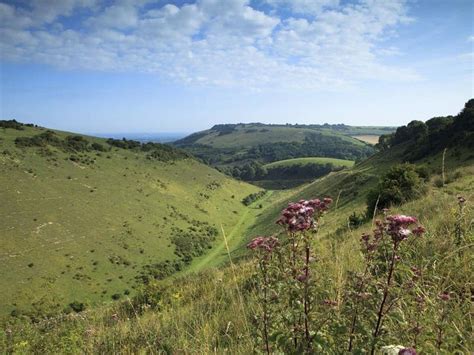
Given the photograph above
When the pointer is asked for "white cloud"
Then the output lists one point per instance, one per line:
(303, 7)
(212, 42)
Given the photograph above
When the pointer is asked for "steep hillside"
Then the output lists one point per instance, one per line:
(236, 144)
(87, 220)
(220, 310)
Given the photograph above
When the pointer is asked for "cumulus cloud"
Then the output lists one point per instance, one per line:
(303, 7)
(315, 44)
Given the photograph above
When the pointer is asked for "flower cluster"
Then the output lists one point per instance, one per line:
(300, 216)
(266, 244)
(398, 227)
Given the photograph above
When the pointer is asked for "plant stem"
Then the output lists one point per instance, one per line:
(439, 336)
(265, 308)
(293, 278)
(306, 297)
(380, 313)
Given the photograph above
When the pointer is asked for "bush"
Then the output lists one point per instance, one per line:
(401, 184)
(248, 200)
(77, 306)
(356, 220)
(99, 147)
(13, 124)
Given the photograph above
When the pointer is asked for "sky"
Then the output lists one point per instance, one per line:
(183, 66)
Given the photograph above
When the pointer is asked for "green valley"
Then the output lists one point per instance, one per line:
(168, 236)
(87, 221)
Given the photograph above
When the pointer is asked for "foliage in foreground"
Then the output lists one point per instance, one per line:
(427, 306)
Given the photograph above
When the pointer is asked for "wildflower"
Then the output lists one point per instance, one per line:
(407, 351)
(404, 232)
(266, 244)
(300, 216)
(397, 227)
(402, 220)
(418, 231)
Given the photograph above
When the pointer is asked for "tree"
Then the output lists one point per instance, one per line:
(401, 184)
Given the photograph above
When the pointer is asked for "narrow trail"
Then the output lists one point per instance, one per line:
(210, 258)
(218, 253)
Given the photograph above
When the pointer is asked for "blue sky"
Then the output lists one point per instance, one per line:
(151, 66)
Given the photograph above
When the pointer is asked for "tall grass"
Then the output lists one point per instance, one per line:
(213, 311)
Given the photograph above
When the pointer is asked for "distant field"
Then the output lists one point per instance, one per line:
(314, 160)
(368, 138)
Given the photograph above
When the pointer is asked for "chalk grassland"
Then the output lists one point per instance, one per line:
(213, 310)
(84, 230)
(368, 138)
(248, 135)
(311, 160)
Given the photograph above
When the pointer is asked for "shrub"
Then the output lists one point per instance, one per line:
(99, 147)
(248, 200)
(13, 124)
(77, 306)
(356, 220)
(401, 184)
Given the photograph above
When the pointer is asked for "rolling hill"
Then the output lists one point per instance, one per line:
(216, 309)
(311, 160)
(236, 144)
(88, 220)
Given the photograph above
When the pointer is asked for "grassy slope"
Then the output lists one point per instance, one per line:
(250, 135)
(62, 222)
(211, 312)
(368, 138)
(314, 160)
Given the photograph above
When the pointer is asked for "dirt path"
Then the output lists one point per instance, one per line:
(219, 253)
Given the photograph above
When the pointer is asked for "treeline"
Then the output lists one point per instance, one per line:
(71, 143)
(14, 124)
(436, 134)
(315, 144)
(156, 151)
(80, 144)
(255, 171)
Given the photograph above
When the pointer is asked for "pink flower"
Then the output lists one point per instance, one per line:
(407, 351)
(300, 216)
(418, 231)
(404, 232)
(402, 220)
(266, 244)
(397, 227)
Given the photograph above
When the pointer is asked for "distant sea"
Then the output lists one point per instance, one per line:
(164, 137)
